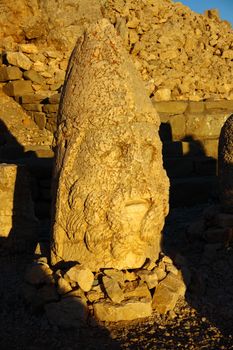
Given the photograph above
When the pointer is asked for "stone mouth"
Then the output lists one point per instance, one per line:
(137, 202)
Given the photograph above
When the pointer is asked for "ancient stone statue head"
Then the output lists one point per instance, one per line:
(111, 188)
(225, 165)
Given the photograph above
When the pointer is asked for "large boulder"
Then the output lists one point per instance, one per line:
(225, 165)
(110, 189)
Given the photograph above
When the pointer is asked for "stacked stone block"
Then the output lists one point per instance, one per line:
(34, 78)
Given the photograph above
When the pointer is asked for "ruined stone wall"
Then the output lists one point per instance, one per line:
(190, 132)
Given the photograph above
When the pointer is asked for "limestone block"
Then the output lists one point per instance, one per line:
(82, 275)
(34, 76)
(170, 107)
(28, 48)
(53, 108)
(225, 166)
(107, 134)
(176, 125)
(113, 289)
(39, 119)
(195, 107)
(126, 311)
(150, 277)
(164, 299)
(55, 99)
(141, 291)
(205, 125)
(18, 88)
(17, 218)
(33, 97)
(34, 107)
(10, 73)
(224, 104)
(162, 95)
(18, 59)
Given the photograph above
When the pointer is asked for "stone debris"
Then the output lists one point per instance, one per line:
(112, 297)
(169, 290)
(18, 59)
(113, 289)
(82, 275)
(126, 311)
(149, 277)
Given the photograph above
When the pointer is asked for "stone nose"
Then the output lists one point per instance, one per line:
(133, 213)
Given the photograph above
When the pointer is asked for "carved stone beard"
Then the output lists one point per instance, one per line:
(122, 226)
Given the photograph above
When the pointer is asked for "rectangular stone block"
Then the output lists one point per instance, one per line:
(32, 98)
(205, 125)
(18, 59)
(39, 119)
(172, 127)
(170, 107)
(18, 88)
(222, 104)
(10, 73)
(164, 299)
(126, 311)
(195, 107)
(211, 148)
(34, 107)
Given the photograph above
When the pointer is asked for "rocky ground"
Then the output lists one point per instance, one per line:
(203, 321)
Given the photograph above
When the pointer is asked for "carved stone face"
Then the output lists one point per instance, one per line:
(118, 194)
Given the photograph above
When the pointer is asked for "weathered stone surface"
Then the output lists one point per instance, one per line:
(18, 59)
(113, 289)
(117, 275)
(17, 217)
(34, 107)
(141, 291)
(167, 293)
(150, 277)
(170, 107)
(53, 108)
(115, 140)
(126, 311)
(205, 126)
(28, 48)
(10, 73)
(18, 88)
(34, 76)
(164, 299)
(18, 129)
(68, 313)
(225, 165)
(82, 275)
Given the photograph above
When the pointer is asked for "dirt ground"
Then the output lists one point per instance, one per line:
(204, 320)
